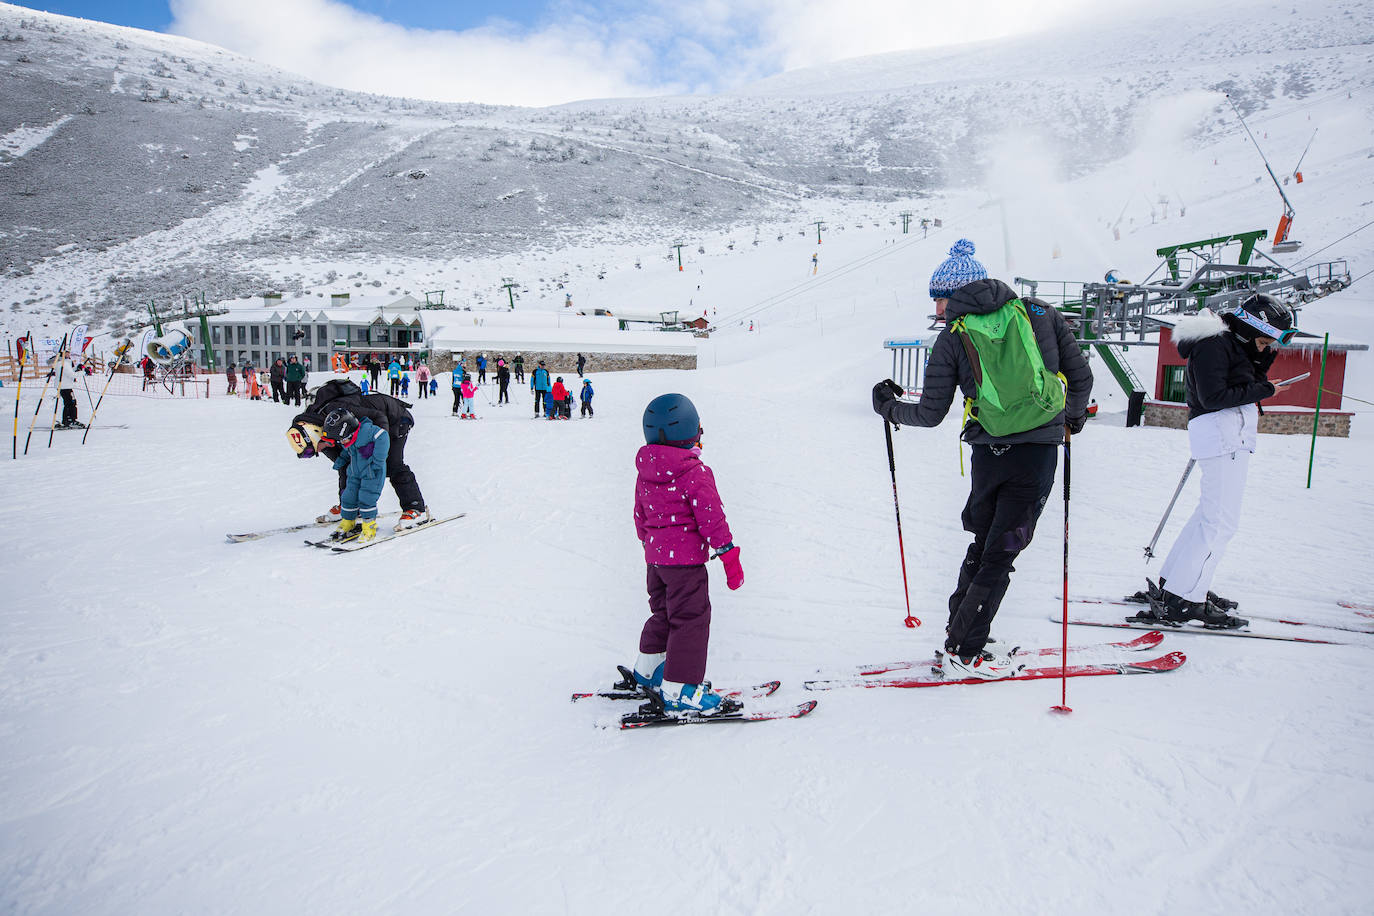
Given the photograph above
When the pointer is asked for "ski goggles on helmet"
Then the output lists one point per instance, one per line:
(1283, 336)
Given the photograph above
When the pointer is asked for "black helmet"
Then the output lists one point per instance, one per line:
(1262, 315)
(341, 426)
(671, 419)
(559, 379)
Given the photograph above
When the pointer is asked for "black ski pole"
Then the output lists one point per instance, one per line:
(910, 621)
(1063, 706)
(1150, 550)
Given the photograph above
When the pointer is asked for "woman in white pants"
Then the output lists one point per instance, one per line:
(1228, 358)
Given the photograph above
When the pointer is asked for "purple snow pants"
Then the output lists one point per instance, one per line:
(679, 621)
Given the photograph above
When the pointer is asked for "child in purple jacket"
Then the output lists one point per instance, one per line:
(679, 519)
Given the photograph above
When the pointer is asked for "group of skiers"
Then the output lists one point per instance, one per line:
(555, 398)
(286, 379)
(1026, 393)
(1027, 389)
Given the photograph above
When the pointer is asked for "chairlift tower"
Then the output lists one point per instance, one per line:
(509, 285)
(1281, 240)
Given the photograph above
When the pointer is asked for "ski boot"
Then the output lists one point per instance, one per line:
(985, 666)
(410, 518)
(347, 531)
(367, 532)
(1166, 609)
(333, 515)
(1213, 617)
(648, 673)
(691, 699)
(1226, 604)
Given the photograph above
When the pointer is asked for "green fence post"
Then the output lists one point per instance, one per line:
(1317, 415)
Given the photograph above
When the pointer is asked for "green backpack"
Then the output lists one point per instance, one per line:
(1015, 392)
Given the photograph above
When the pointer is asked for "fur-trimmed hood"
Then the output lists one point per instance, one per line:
(1192, 328)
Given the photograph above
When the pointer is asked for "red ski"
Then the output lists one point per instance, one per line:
(1163, 663)
(1140, 643)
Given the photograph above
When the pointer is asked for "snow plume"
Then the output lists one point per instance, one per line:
(1039, 218)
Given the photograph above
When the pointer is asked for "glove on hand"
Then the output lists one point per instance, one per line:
(734, 573)
(1075, 424)
(884, 394)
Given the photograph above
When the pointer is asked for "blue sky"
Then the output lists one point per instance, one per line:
(546, 52)
(156, 15)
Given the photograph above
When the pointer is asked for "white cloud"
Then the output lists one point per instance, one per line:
(594, 48)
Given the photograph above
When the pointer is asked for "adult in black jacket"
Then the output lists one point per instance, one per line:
(277, 376)
(503, 381)
(1012, 475)
(388, 413)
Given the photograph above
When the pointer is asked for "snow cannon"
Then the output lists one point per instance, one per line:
(169, 347)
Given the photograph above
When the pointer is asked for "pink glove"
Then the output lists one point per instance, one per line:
(734, 573)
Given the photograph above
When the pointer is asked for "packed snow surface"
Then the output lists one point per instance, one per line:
(193, 726)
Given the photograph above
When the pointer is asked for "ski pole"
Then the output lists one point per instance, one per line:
(113, 370)
(1063, 707)
(19, 387)
(910, 621)
(1150, 551)
(39, 406)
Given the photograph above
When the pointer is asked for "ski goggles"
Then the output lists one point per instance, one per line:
(1264, 327)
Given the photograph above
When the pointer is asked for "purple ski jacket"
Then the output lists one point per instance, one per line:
(678, 513)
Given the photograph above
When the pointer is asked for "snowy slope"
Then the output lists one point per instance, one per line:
(192, 726)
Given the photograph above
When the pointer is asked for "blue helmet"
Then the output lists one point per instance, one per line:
(671, 419)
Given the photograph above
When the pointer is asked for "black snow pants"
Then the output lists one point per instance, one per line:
(1010, 485)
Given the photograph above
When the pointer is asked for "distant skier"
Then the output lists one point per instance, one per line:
(393, 374)
(581, 364)
(422, 380)
(586, 397)
(405, 385)
(276, 376)
(386, 413)
(1226, 378)
(433, 387)
(502, 383)
(553, 401)
(519, 364)
(1014, 454)
(67, 391)
(231, 379)
(679, 519)
(469, 391)
(539, 384)
(362, 461)
(294, 375)
(481, 368)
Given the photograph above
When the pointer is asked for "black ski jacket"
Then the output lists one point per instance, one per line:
(949, 370)
(386, 412)
(1224, 371)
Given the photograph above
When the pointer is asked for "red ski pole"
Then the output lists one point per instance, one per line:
(910, 621)
(1063, 707)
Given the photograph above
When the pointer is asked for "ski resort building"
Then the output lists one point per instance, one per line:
(312, 329)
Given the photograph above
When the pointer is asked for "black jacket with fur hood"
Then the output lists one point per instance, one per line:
(1225, 369)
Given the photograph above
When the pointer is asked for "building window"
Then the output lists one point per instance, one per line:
(256, 357)
(215, 334)
(276, 335)
(243, 335)
(321, 360)
(1174, 387)
(254, 335)
(322, 335)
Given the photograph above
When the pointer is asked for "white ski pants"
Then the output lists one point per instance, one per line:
(1192, 561)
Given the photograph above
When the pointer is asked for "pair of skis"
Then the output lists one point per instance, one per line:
(1135, 621)
(651, 714)
(866, 675)
(382, 537)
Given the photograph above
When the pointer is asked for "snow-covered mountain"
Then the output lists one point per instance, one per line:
(135, 165)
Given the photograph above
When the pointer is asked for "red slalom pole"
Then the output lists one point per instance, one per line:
(1063, 708)
(910, 621)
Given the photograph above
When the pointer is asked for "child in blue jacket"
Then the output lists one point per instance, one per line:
(587, 398)
(364, 450)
